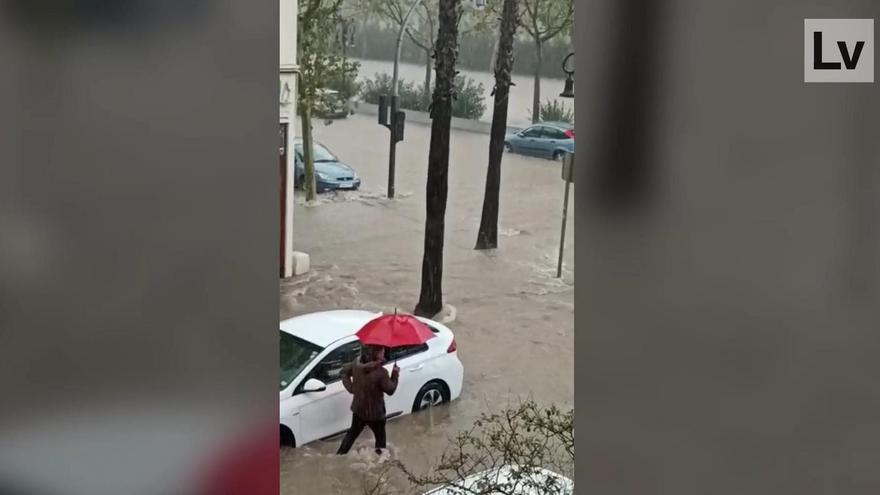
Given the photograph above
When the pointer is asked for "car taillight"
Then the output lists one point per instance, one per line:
(452, 347)
(569, 134)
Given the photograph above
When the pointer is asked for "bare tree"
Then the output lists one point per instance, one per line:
(421, 30)
(508, 453)
(487, 236)
(543, 20)
(445, 56)
(422, 27)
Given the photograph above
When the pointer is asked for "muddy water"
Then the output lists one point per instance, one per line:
(521, 93)
(513, 320)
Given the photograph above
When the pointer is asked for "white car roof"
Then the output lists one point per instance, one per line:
(326, 327)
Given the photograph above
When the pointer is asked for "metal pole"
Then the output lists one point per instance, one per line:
(392, 145)
(562, 235)
(395, 99)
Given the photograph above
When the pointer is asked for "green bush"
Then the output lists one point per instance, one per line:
(554, 111)
(468, 103)
(410, 95)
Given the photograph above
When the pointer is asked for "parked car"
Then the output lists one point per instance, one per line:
(547, 139)
(541, 482)
(315, 347)
(333, 105)
(330, 173)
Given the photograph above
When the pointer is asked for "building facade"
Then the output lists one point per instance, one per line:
(291, 263)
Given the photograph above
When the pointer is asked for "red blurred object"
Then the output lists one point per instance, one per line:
(246, 466)
(452, 347)
(394, 331)
(569, 133)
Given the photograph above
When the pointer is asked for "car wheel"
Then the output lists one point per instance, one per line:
(508, 148)
(287, 438)
(558, 155)
(430, 395)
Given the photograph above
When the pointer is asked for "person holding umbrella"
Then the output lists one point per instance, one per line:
(368, 382)
(367, 379)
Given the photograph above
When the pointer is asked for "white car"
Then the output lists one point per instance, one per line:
(315, 347)
(540, 482)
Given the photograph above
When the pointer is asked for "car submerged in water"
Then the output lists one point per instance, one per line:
(546, 139)
(314, 349)
(330, 173)
(332, 104)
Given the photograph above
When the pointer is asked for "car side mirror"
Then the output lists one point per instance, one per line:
(314, 385)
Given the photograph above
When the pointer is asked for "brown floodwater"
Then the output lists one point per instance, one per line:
(513, 320)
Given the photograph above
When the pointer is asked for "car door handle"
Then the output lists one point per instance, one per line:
(417, 368)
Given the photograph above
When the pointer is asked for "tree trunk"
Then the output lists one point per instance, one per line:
(487, 236)
(536, 96)
(308, 156)
(446, 52)
(426, 92)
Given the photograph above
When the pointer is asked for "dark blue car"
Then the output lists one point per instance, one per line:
(330, 173)
(546, 139)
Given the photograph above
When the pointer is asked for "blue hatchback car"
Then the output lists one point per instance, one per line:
(546, 139)
(330, 173)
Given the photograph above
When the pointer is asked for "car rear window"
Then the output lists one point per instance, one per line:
(405, 351)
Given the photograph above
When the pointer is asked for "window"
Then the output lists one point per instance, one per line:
(321, 154)
(532, 132)
(296, 354)
(398, 353)
(329, 370)
(552, 133)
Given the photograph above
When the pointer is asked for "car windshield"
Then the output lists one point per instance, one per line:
(322, 154)
(296, 354)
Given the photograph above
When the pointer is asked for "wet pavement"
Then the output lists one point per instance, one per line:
(513, 320)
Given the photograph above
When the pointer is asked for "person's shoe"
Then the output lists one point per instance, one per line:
(379, 452)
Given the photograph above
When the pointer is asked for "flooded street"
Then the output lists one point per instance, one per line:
(513, 320)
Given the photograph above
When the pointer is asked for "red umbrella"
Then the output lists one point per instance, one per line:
(394, 330)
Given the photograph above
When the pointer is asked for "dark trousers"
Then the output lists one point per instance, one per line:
(357, 426)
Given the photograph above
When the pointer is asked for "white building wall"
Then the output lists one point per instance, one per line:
(287, 113)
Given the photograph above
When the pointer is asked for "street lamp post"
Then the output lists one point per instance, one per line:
(568, 164)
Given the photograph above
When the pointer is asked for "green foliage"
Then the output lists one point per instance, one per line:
(345, 80)
(468, 103)
(555, 111)
(410, 94)
(319, 48)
